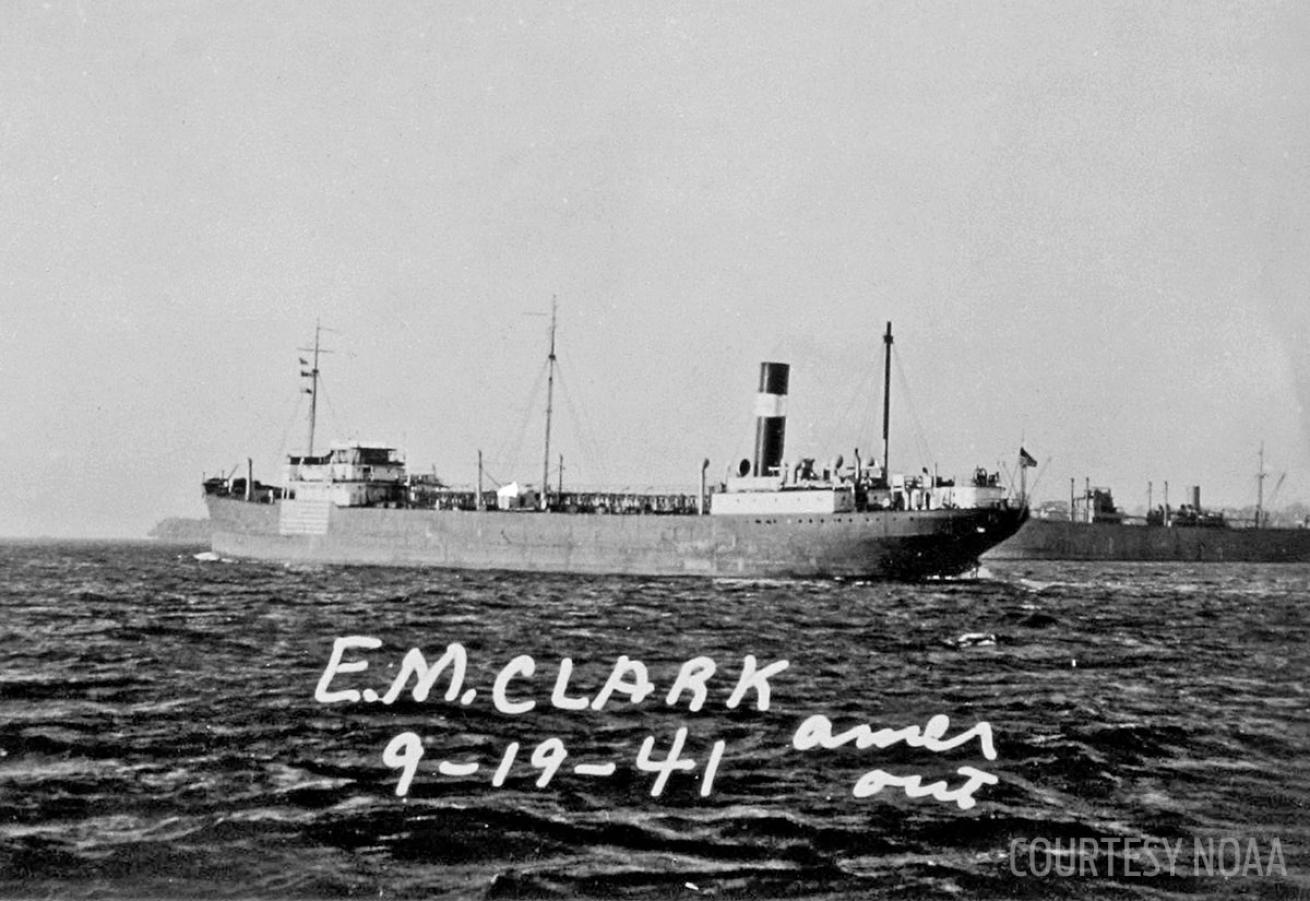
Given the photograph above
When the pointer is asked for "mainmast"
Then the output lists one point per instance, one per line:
(550, 396)
(886, 401)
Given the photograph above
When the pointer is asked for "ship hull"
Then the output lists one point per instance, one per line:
(874, 545)
(1042, 539)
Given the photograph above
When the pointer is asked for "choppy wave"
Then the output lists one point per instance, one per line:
(160, 734)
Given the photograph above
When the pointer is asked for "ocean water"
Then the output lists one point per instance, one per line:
(1115, 730)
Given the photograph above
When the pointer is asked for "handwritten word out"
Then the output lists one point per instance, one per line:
(817, 732)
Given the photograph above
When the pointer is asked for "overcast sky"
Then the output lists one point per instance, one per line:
(1087, 223)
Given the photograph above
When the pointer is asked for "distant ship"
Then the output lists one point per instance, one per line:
(358, 504)
(1093, 528)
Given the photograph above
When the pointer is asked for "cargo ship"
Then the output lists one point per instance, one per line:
(1092, 527)
(358, 504)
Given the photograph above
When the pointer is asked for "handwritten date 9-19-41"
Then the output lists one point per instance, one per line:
(406, 750)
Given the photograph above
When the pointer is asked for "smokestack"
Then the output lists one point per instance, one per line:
(1196, 496)
(770, 418)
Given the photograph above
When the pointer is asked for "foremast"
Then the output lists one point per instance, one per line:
(312, 390)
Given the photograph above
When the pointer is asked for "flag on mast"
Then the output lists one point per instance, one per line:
(1026, 459)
